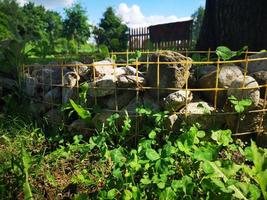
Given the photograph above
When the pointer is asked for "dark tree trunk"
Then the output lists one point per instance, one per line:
(234, 23)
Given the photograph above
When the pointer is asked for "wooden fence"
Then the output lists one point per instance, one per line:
(175, 36)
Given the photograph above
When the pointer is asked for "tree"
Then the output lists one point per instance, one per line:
(112, 32)
(4, 27)
(197, 23)
(235, 24)
(12, 19)
(35, 21)
(54, 27)
(76, 24)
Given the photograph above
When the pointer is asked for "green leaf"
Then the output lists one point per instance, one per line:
(112, 194)
(239, 108)
(176, 184)
(207, 168)
(117, 157)
(222, 137)
(152, 155)
(167, 194)
(137, 55)
(224, 53)
(145, 180)
(203, 153)
(152, 134)
(245, 102)
(27, 191)
(127, 195)
(83, 113)
(161, 185)
(26, 159)
(201, 134)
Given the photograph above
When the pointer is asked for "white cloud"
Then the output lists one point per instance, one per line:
(134, 17)
(49, 4)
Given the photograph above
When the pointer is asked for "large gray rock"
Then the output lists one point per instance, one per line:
(129, 70)
(104, 86)
(52, 97)
(227, 74)
(54, 117)
(100, 119)
(149, 102)
(247, 121)
(261, 78)
(122, 99)
(79, 126)
(130, 81)
(30, 85)
(202, 70)
(38, 109)
(170, 75)
(7, 83)
(131, 107)
(199, 112)
(175, 101)
(246, 82)
(104, 67)
(47, 76)
(256, 66)
(70, 89)
(80, 68)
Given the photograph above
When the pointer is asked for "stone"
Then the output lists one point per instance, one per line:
(38, 109)
(32, 67)
(130, 81)
(247, 121)
(261, 139)
(261, 78)
(123, 99)
(170, 75)
(70, 89)
(30, 85)
(252, 94)
(100, 119)
(79, 126)
(170, 121)
(129, 70)
(54, 116)
(104, 86)
(256, 66)
(175, 101)
(7, 83)
(104, 67)
(202, 70)
(149, 102)
(131, 107)
(200, 112)
(53, 97)
(80, 68)
(47, 77)
(227, 74)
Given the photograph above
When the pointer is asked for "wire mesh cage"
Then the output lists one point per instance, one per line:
(193, 86)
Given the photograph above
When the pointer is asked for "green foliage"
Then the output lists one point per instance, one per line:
(241, 105)
(76, 26)
(194, 164)
(83, 113)
(225, 53)
(197, 17)
(111, 32)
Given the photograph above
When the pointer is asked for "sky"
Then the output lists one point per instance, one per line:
(135, 13)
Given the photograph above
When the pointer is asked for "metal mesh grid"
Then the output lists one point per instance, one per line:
(138, 89)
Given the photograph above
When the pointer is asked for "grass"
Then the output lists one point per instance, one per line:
(162, 165)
